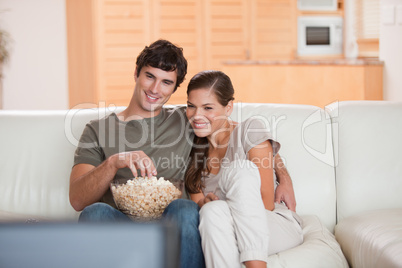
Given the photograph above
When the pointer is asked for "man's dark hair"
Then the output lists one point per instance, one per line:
(164, 55)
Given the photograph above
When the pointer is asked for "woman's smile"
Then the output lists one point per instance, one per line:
(200, 125)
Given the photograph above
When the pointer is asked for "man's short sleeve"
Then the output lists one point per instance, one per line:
(89, 150)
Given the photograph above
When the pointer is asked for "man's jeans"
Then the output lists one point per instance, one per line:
(183, 212)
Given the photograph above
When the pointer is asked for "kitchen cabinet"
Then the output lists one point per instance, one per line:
(105, 37)
(311, 82)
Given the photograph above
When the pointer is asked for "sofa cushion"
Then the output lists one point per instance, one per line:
(319, 249)
(6, 216)
(372, 239)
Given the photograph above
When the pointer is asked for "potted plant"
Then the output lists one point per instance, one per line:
(4, 55)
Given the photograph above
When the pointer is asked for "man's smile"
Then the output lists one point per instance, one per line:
(151, 98)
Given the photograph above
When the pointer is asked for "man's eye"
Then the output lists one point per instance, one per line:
(208, 108)
(190, 106)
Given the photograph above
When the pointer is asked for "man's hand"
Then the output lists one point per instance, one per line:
(89, 183)
(135, 160)
(284, 192)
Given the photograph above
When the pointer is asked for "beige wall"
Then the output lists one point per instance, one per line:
(36, 75)
(391, 50)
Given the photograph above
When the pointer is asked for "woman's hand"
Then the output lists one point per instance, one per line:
(210, 197)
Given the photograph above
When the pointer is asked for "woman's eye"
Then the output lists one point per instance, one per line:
(190, 106)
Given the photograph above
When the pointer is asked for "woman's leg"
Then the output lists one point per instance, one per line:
(241, 186)
(235, 230)
(285, 231)
(218, 236)
(242, 223)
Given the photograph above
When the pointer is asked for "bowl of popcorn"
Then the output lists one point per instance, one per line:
(143, 198)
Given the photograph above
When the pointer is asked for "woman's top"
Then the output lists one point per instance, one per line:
(245, 136)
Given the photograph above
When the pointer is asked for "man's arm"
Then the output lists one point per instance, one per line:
(89, 183)
(284, 191)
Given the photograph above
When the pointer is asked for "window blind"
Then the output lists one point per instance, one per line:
(367, 19)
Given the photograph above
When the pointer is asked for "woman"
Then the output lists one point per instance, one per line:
(231, 178)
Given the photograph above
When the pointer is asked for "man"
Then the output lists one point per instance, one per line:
(121, 144)
(142, 135)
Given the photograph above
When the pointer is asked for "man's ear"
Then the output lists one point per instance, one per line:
(135, 74)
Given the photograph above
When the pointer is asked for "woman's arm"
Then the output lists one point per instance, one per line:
(201, 199)
(262, 156)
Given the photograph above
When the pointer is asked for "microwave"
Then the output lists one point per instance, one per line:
(319, 35)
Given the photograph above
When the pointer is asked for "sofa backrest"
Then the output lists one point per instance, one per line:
(306, 148)
(36, 157)
(368, 146)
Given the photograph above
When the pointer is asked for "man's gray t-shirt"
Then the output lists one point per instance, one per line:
(166, 139)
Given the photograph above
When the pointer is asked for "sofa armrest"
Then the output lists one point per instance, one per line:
(372, 239)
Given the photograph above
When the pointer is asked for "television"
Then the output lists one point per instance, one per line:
(83, 245)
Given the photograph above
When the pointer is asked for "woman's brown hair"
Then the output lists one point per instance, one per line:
(221, 85)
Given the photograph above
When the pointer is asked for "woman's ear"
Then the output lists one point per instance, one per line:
(229, 108)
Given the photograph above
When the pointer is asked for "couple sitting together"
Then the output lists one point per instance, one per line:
(238, 212)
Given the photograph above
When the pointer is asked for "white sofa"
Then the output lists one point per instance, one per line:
(368, 146)
(345, 163)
